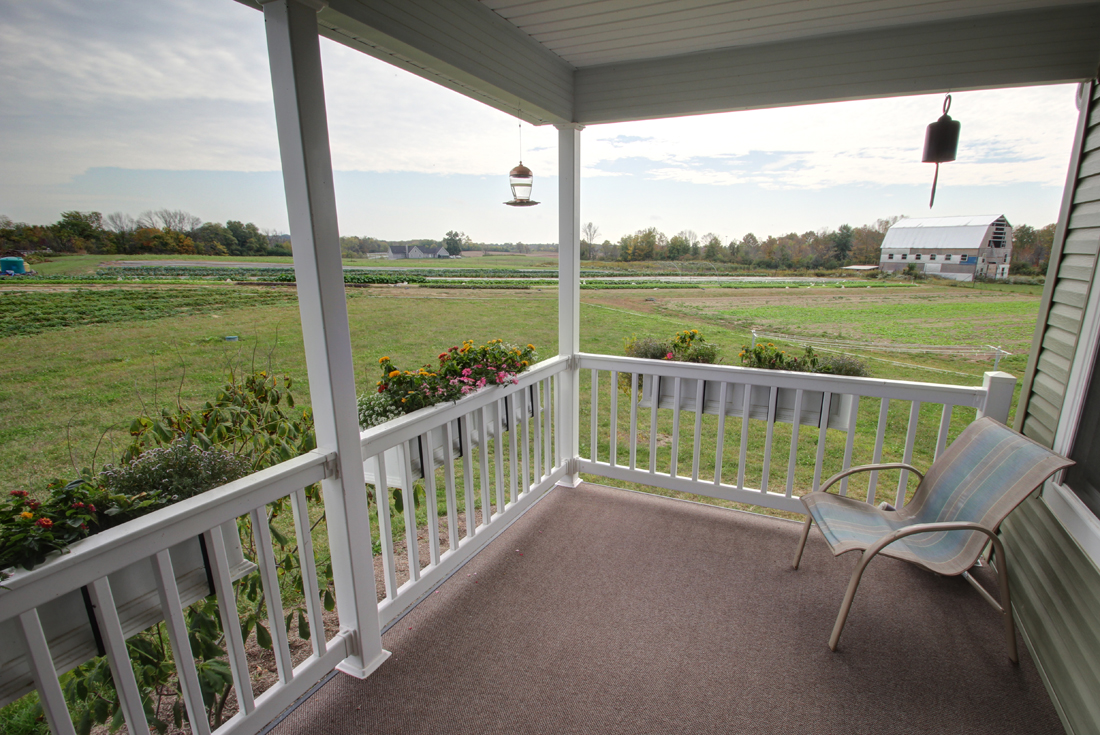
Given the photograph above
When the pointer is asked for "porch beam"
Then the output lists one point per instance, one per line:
(295, 57)
(1046, 46)
(569, 288)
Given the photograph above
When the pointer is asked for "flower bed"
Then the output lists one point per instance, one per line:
(459, 371)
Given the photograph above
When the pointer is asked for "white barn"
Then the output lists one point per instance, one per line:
(950, 247)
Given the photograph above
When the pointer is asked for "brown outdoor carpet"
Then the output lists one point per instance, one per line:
(605, 611)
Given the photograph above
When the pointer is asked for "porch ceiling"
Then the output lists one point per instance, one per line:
(605, 611)
(558, 61)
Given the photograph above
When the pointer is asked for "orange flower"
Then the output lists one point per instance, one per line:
(383, 360)
(395, 373)
(27, 514)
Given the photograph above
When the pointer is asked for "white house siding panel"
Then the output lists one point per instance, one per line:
(462, 45)
(1010, 49)
(1055, 585)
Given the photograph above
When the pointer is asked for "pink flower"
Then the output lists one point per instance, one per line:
(481, 383)
(668, 356)
(466, 372)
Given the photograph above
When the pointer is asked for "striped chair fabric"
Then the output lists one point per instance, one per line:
(980, 478)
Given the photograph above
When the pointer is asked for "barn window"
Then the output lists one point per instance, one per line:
(918, 256)
(890, 256)
(932, 256)
(904, 256)
(947, 257)
(962, 258)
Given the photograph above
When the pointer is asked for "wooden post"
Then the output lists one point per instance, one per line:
(569, 291)
(295, 56)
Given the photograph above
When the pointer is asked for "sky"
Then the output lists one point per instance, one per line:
(133, 105)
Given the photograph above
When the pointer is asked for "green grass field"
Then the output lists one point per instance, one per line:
(64, 388)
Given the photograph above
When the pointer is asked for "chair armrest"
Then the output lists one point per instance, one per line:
(869, 468)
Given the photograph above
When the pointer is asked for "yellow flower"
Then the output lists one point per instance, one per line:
(27, 514)
(382, 360)
(395, 373)
(402, 400)
(530, 347)
(524, 363)
(695, 331)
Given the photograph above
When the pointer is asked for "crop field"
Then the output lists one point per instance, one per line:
(76, 366)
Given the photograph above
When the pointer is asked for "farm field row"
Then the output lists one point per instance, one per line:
(62, 391)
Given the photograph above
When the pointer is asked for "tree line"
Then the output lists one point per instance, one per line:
(164, 231)
(823, 249)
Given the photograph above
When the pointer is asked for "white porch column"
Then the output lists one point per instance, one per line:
(295, 56)
(569, 286)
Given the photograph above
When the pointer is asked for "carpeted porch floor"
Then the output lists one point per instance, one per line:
(605, 611)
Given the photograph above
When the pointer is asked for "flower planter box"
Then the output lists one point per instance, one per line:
(759, 399)
(417, 448)
(66, 620)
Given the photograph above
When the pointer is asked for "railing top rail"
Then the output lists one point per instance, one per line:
(378, 439)
(118, 547)
(958, 395)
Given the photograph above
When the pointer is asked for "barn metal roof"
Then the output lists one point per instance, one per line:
(576, 61)
(940, 233)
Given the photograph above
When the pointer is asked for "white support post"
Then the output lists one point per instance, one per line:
(295, 56)
(999, 388)
(569, 290)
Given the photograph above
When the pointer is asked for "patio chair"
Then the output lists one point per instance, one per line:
(956, 510)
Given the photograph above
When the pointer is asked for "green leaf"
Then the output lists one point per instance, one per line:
(330, 602)
(84, 724)
(100, 710)
(177, 715)
(263, 638)
(303, 626)
(278, 536)
(398, 501)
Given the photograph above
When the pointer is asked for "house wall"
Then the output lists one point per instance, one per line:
(1055, 583)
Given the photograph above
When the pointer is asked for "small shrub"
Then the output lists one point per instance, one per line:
(769, 357)
(687, 346)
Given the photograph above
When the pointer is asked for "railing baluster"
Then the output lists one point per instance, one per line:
(122, 671)
(431, 503)
(675, 445)
(722, 394)
(524, 439)
(536, 444)
(385, 528)
(792, 462)
(613, 450)
(880, 437)
(468, 475)
(766, 468)
(513, 463)
(449, 485)
(945, 426)
(269, 575)
(498, 453)
(746, 405)
(822, 436)
(633, 418)
(45, 675)
(310, 589)
(907, 458)
(558, 458)
(594, 412)
(186, 673)
(849, 444)
(700, 385)
(655, 398)
(408, 495)
(547, 431)
(231, 622)
(483, 466)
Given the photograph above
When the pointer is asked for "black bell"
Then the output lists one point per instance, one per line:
(941, 143)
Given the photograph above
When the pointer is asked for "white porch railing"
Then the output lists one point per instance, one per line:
(642, 393)
(508, 441)
(493, 453)
(151, 547)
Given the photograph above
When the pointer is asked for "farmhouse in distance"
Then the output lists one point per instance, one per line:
(403, 252)
(959, 248)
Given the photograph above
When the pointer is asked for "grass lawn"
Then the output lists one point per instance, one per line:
(61, 389)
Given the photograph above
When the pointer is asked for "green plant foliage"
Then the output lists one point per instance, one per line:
(687, 346)
(767, 356)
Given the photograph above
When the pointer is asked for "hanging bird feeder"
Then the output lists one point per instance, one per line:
(520, 179)
(941, 143)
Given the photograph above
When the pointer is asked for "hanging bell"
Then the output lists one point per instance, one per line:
(941, 143)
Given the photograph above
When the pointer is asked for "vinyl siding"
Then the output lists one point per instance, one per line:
(1055, 584)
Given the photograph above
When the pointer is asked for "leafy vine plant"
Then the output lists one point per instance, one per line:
(252, 423)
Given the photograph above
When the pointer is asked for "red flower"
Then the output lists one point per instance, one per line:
(91, 508)
(78, 505)
(44, 523)
(19, 493)
(381, 389)
(32, 504)
(443, 356)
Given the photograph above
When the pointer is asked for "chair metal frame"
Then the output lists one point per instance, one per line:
(1004, 607)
